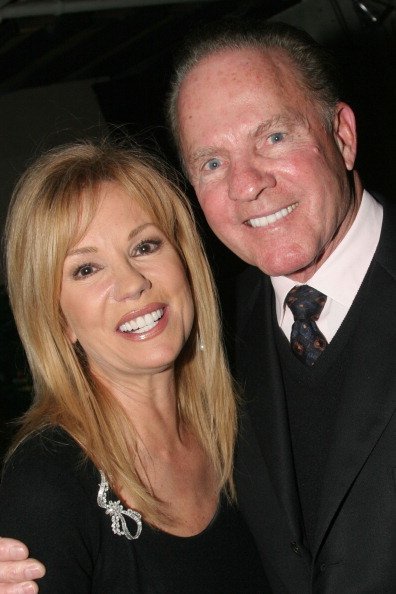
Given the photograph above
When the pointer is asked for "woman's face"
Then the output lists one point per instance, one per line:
(125, 295)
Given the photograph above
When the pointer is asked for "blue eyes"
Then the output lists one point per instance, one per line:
(213, 164)
(276, 137)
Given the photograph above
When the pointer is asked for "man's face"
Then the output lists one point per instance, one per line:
(271, 180)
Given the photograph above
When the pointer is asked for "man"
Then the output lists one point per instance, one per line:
(269, 147)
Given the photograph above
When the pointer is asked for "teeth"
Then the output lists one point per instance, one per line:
(142, 323)
(276, 216)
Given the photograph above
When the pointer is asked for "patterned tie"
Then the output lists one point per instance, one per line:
(306, 340)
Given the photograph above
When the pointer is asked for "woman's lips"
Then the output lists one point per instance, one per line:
(144, 323)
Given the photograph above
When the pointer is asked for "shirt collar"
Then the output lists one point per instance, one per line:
(341, 275)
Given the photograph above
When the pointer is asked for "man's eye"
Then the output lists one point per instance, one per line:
(276, 137)
(83, 271)
(212, 164)
(147, 247)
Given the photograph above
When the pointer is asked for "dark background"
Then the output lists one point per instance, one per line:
(78, 68)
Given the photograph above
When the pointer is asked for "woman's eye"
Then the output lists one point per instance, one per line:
(276, 137)
(212, 164)
(147, 247)
(84, 270)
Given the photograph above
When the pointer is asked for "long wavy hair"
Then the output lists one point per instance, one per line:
(51, 207)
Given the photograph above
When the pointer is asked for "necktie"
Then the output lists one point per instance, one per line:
(306, 340)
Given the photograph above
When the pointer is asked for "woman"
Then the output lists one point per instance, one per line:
(121, 476)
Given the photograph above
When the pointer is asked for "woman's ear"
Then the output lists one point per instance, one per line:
(68, 330)
(344, 130)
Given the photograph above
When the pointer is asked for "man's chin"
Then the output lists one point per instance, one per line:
(298, 271)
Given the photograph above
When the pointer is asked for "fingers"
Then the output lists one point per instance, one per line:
(20, 571)
(16, 570)
(23, 588)
(12, 550)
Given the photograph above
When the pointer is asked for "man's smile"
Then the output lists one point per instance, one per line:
(271, 218)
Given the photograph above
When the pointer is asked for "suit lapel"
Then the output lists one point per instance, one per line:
(370, 389)
(263, 387)
(370, 386)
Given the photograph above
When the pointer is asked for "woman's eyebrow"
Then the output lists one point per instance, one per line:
(91, 250)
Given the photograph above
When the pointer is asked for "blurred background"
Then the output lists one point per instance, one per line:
(78, 68)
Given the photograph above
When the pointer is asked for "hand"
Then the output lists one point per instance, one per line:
(16, 570)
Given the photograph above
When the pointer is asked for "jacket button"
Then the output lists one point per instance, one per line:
(295, 547)
(323, 567)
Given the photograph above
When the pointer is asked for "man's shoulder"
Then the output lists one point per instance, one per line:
(249, 287)
(385, 254)
(246, 281)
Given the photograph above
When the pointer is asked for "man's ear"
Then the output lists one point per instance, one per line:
(344, 130)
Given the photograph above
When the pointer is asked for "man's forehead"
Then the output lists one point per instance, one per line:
(225, 81)
(224, 61)
(223, 75)
(232, 92)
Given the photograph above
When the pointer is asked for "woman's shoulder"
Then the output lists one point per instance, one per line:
(49, 444)
(51, 457)
(49, 438)
(48, 499)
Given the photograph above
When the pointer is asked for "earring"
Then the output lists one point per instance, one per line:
(201, 345)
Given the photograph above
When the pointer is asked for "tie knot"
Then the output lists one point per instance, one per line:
(305, 302)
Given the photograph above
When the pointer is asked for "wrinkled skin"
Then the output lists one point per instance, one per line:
(16, 570)
(255, 146)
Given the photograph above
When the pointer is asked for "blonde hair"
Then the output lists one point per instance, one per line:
(50, 201)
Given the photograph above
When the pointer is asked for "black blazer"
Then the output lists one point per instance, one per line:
(354, 551)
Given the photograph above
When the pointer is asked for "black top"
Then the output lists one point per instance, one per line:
(48, 499)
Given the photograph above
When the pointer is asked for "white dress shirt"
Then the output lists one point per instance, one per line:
(341, 275)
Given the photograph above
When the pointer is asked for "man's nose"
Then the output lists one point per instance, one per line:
(129, 282)
(248, 179)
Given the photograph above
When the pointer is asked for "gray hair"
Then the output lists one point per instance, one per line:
(316, 66)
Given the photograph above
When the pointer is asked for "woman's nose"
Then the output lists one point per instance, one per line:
(129, 283)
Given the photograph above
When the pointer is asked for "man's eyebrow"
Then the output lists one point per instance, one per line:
(279, 120)
(202, 153)
(92, 250)
(262, 128)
